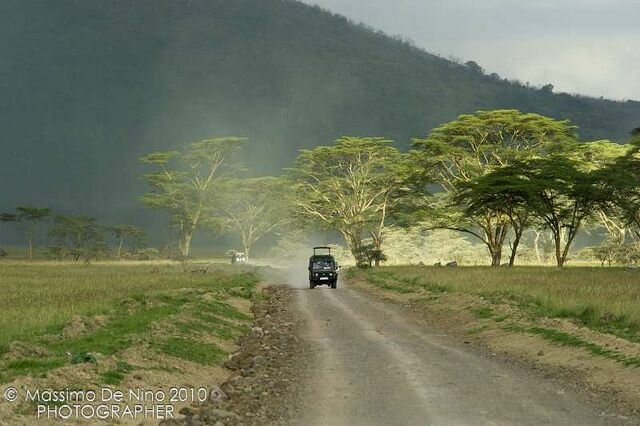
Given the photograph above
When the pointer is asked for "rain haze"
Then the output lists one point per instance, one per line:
(587, 46)
(320, 212)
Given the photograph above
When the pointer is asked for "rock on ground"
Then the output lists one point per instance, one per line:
(262, 387)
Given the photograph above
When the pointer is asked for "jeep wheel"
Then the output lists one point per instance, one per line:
(334, 284)
(311, 285)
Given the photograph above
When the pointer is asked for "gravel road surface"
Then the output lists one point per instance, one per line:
(370, 365)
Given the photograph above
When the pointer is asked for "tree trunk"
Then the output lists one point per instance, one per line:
(558, 242)
(186, 244)
(495, 250)
(181, 232)
(568, 241)
(496, 257)
(248, 240)
(247, 250)
(353, 243)
(536, 244)
(561, 238)
(494, 239)
(377, 245)
(30, 248)
(119, 251)
(514, 248)
(354, 247)
(377, 241)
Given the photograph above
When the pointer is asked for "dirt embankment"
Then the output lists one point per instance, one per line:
(262, 387)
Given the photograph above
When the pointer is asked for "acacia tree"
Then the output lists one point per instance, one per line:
(184, 181)
(31, 217)
(602, 155)
(123, 233)
(631, 206)
(624, 186)
(563, 196)
(349, 187)
(496, 192)
(493, 195)
(250, 208)
(78, 236)
(558, 190)
(8, 217)
(474, 145)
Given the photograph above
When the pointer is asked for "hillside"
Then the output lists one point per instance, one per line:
(87, 87)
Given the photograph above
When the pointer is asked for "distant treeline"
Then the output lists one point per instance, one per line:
(77, 238)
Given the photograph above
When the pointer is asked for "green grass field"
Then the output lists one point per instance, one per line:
(606, 299)
(40, 299)
(37, 297)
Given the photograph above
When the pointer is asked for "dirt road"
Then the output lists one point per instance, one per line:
(373, 366)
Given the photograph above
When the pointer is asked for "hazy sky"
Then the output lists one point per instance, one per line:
(580, 46)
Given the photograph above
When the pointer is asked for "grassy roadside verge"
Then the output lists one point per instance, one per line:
(580, 324)
(605, 300)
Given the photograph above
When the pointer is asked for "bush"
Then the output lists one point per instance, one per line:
(83, 358)
(172, 252)
(56, 253)
(367, 255)
(611, 252)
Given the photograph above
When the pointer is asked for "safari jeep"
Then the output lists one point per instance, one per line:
(323, 268)
(238, 258)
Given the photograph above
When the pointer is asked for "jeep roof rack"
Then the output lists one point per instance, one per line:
(315, 249)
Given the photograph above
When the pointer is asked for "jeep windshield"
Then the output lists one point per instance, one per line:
(322, 264)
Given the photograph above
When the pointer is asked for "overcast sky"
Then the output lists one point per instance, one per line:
(580, 46)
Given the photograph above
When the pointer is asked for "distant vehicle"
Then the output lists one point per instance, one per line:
(323, 268)
(238, 258)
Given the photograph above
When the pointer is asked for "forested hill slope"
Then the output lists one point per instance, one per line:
(88, 86)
